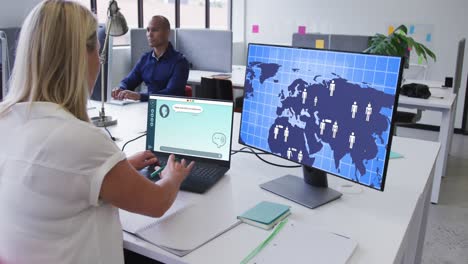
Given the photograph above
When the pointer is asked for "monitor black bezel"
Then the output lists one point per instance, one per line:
(392, 121)
(223, 163)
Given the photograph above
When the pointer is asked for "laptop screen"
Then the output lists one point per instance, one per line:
(192, 127)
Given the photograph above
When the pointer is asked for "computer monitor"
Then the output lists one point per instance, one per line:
(4, 64)
(330, 111)
(459, 65)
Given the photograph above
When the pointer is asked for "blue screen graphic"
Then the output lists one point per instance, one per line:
(325, 109)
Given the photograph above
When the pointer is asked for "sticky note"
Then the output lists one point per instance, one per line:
(255, 29)
(390, 30)
(395, 155)
(302, 30)
(319, 44)
(411, 29)
(428, 37)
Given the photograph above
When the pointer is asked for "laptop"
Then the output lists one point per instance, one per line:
(192, 129)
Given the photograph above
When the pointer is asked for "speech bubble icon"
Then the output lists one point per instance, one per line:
(219, 139)
(192, 109)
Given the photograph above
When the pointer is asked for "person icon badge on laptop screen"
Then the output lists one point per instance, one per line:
(164, 111)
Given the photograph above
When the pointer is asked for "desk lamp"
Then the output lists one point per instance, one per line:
(115, 26)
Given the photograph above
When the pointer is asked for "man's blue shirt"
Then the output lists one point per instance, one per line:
(167, 74)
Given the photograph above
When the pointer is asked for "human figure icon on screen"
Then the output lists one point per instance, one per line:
(332, 87)
(335, 129)
(304, 96)
(164, 111)
(322, 126)
(276, 131)
(368, 112)
(315, 101)
(354, 110)
(352, 140)
(289, 153)
(286, 134)
(299, 156)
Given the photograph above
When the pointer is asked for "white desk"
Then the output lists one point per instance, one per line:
(389, 226)
(447, 106)
(237, 76)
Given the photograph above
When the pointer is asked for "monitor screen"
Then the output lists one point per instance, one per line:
(329, 110)
(192, 127)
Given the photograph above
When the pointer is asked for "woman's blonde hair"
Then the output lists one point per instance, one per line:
(51, 58)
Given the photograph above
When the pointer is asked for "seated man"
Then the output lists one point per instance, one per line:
(163, 69)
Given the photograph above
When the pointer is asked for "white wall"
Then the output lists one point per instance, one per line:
(278, 20)
(12, 13)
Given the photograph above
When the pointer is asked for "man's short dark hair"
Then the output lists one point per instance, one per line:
(164, 21)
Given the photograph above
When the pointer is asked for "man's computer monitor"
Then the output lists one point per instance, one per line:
(330, 111)
(459, 65)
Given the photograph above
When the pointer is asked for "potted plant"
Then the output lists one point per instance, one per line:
(398, 43)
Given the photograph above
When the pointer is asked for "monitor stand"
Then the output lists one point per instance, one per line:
(312, 191)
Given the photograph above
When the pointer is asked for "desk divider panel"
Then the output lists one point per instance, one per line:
(349, 42)
(206, 49)
(331, 41)
(310, 40)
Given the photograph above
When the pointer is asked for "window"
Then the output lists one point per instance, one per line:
(219, 14)
(128, 8)
(158, 7)
(192, 14)
(86, 3)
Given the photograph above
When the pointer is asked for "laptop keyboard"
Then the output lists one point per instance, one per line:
(200, 179)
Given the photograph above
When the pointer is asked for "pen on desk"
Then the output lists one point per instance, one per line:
(156, 172)
(439, 97)
(265, 242)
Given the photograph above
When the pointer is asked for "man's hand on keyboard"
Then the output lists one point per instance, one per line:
(177, 170)
(143, 159)
(121, 94)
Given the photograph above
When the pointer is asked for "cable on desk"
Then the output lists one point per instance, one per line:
(131, 140)
(113, 138)
(251, 151)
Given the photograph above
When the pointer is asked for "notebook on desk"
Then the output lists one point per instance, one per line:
(184, 227)
(193, 129)
(300, 243)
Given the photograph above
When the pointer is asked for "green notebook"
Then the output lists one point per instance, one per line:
(265, 214)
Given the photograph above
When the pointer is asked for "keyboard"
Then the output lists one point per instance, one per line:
(121, 102)
(202, 177)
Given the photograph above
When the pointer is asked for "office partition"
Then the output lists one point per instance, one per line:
(338, 42)
(349, 42)
(311, 40)
(206, 49)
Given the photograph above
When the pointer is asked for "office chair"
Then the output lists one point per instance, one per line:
(407, 119)
(188, 90)
(214, 89)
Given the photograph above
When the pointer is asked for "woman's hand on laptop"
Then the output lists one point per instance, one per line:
(177, 170)
(143, 159)
(121, 94)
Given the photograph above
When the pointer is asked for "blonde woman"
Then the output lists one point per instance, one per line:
(62, 179)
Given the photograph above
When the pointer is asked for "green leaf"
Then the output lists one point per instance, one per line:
(429, 52)
(401, 28)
